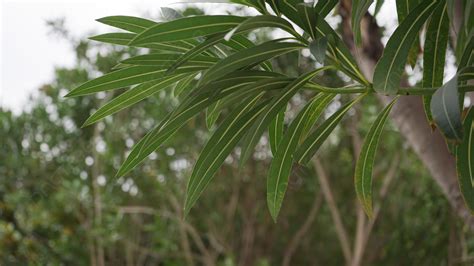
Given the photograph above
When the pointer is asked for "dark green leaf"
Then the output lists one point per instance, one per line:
(281, 165)
(187, 28)
(220, 145)
(365, 163)
(131, 24)
(390, 67)
(278, 103)
(359, 8)
(275, 130)
(131, 97)
(251, 56)
(465, 161)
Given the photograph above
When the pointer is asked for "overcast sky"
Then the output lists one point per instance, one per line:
(28, 54)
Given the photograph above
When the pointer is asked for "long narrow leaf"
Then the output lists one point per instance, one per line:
(314, 141)
(389, 69)
(465, 161)
(219, 146)
(247, 57)
(364, 165)
(275, 130)
(281, 165)
(272, 110)
(187, 28)
(131, 97)
(126, 77)
(434, 54)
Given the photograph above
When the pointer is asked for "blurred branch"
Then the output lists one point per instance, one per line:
(336, 216)
(303, 230)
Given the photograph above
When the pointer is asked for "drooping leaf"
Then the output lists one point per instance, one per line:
(465, 161)
(318, 49)
(404, 7)
(278, 103)
(251, 56)
(131, 97)
(275, 130)
(365, 162)
(126, 77)
(359, 8)
(195, 103)
(316, 111)
(446, 111)
(324, 7)
(281, 164)
(186, 28)
(434, 54)
(312, 143)
(390, 67)
(220, 145)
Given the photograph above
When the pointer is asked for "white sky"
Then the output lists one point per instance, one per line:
(28, 54)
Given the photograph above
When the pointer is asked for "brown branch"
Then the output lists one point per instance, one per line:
(335, 214)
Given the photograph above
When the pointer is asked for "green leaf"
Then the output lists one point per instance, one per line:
(359, 8)
(446, 110)
(124, 38)
(390, 67)
(339, 54)
(324, 7)
(308, 17)
(166, 59)
(187, 28)
(434, 54)
(219, 146)
(182, 85)
(251, 56)
(126, 77)
(365, 163)
(465, 161)
(278, 103)
(281, 164)
(318, 49)
(245, 26)
(131, 97)
(312, 143)
(212, 114)
(275, 130)
(404, 7)
(316, 111)
(128, 23)
(240, 82)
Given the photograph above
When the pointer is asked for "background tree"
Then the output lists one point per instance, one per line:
(141, 213)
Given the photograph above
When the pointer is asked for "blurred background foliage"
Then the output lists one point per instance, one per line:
(60, 203)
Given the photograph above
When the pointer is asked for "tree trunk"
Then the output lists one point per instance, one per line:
(408, 115)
